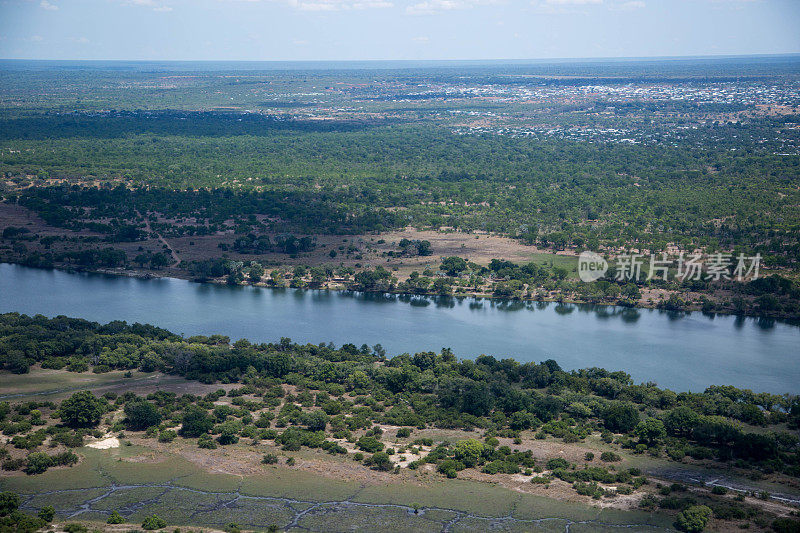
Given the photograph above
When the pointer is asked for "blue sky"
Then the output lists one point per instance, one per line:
(393, 29)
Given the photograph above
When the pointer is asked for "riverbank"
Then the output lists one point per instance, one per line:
(651, 298)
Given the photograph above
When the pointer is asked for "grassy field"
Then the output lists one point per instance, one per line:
(184, 494)
(55, 385)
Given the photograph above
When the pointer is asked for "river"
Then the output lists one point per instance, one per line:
(675, 350)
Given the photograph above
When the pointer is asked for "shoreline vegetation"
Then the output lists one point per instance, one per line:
(341, 285)
(589, 436)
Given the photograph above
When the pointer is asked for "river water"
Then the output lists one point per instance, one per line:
(678, 351)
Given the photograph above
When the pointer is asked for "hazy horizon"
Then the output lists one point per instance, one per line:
(394, 30)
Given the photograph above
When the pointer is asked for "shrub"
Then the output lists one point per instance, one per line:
(167, 436)
(115, 518)
(449, 468)
(610, 457)
(196, 422)
(141, 415)
(369, 444)
(557, 463)
(270, 459)
(403, 433)
(786, 525)
(589, 489)
(37, 463)
(648, 502)
(380, 461)
(719, 490)
(82, 410)
(9, 502)
(206, 442)
(693, 519)
(153, 522)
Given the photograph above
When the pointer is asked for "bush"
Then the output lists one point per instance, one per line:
(9, 502)
(82, 410)
(610, 457)
(589, 489)
(270, 459)
(37, 463)
(786, 525)
(75, 528)
(449, 468)
(380, 461)
(196, 422)
(648, 502)
(403, 433)
(369, 444)
(141, 415)
(167, 436)
(153, 522)
(719, 490)
(47, 513)
(115, 518)
(206, 442)
(693, 519)
(557, 463)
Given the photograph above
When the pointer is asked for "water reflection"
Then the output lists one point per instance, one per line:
(630, 315)
(765, 323)
(564, 309)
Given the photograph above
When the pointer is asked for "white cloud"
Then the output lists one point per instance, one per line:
(330, 5)
(338, 5)
(44, 4)
(572, 2)
(155, 6)
(632, 4)
(426, 7)
(420, 39)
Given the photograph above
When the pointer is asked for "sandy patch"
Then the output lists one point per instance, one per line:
(105, 443)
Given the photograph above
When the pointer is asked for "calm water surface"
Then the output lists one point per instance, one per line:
(679, 351)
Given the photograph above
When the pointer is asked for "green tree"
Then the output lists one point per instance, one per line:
(37, 463)
(47, 513)
(651, 431)
(453, 266)
(469, 451)
(316, 420)
(196, 422)
(229, 432)
(9, 502)
(82, 410)
(141, 415)
(153, 522)
(620, 417)
(681, 421)
(693, 519)
(380, 461)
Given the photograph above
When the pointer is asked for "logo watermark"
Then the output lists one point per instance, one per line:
(685, 267)
(591, 266)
